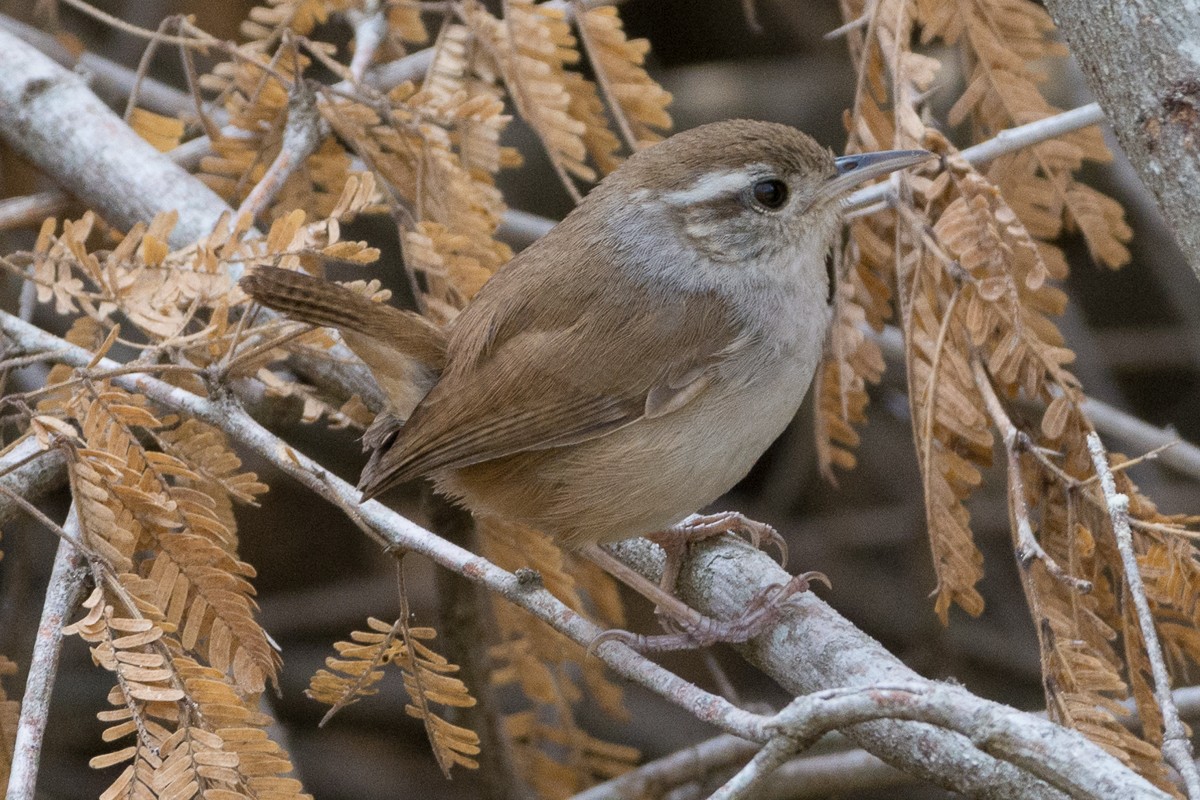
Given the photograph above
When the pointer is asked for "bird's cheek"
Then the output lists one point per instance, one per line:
(724, 237)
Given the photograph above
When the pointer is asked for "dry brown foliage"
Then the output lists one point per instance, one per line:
(173, 617)
(965, 262)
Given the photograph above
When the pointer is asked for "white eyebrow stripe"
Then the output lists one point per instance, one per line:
(712, 185)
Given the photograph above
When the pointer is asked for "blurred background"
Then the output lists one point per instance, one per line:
(1136, 333)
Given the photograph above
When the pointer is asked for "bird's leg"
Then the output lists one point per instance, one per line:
(688, 627)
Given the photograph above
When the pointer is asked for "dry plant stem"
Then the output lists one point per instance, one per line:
(370, 30)
(813, 777)
(66, 584)
(681, 767)
(1177, 746)
(1148, 87)
(464, 617)
(810, 649)
(18, 212)
(302, 135)
(1028, 548)
(614, 106)
(1183, 457)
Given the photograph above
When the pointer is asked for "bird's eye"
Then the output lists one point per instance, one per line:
(771, 193)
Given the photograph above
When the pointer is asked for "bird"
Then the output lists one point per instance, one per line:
(629, 367)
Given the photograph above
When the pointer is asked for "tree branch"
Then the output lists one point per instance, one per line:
(1177, 745)
(66, 583)
(29, 471)
(1180, 455)
(1147, 84)
(1006, 141)
(810, 649)
(992, 727)
(50, 117)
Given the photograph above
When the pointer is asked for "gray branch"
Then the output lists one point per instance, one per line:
(811, 648)
(66, 583)
(1141, 59)
(53, 119)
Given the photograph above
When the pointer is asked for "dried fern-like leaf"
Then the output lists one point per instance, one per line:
(130, 499)
(1002, 46)
(543, 665)
(165, 133)
(427, 679)
(639, 103)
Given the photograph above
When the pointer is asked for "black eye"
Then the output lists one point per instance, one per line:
(770, 194)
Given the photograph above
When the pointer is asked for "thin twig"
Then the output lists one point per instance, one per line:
(62, 593)
(143, 66)
(202, 42)
(1028, 548)
(302, 134)
(688, 765)
(1104, 776)
(27, 470)
(1182, 456)
(1177, 746)
(1006, 141)
(370, 32)
(18, 212)
(614, 103)
(994, 729)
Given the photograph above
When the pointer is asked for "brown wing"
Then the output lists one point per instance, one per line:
(586, 355)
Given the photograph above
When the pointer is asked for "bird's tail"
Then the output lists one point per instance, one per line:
(404, 351)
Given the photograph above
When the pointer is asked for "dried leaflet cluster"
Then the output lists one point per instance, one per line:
(963, 262)
(173, 615)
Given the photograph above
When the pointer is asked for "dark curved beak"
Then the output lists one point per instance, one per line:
(862, 167)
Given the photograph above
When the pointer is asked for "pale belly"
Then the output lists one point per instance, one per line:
(649, 475)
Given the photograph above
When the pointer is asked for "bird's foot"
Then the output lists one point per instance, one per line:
(698, 527)
(693, 630)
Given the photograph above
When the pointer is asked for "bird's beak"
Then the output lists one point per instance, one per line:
(862, 167)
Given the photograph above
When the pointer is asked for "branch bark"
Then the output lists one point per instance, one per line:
(1141, 59)
(66, 583)
(50, 117)
(812, 647)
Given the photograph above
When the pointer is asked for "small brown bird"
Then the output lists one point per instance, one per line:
(629, 367)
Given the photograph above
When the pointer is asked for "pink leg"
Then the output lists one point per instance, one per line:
(693, 630)
(688, 628)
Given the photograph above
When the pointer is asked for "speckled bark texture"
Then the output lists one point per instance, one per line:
(1142, 61)
(813, 647)
(52, 118)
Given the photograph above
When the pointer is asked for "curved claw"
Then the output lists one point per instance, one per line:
(683, 640)
(613, 635)
(819, 577)
(702, 526)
